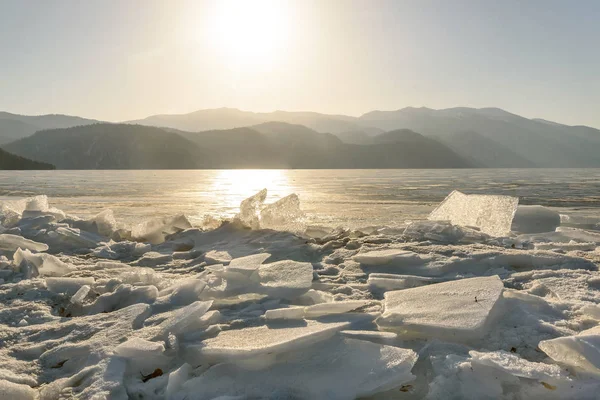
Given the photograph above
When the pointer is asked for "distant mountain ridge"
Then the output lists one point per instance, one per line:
(15, 126)
(485, 137)
(10, 161)
(266, 145)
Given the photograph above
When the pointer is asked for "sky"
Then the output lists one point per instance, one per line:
(119, 60)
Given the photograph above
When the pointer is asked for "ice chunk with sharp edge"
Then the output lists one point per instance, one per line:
(46, 264)
(285, 215)
(68, 286)
(491, 214)
(10, 242)
(535, 219)
(337, 307)
(239, 344)
(250, 208)
(286, 278)
(338, 368)
(80, 295)
(457, 310)
(582, 350)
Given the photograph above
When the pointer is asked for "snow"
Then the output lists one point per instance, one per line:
(491, 214)
(454, 311)
(258, 308)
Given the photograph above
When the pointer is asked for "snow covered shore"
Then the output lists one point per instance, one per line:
(459, 306)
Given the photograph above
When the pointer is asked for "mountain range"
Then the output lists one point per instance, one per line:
(14, 162)
(230, 138)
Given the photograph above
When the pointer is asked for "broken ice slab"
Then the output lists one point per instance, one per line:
(284, 215)
(285, 313)
(581, 350)
(385, 282)
(13, 242)
(337, 307)
(16, 391)
(240, 344)
(443, 231)
(517, 366)
(371, 336)
(69, 286)
(456, 311)
(45, 264)
(250, 208)
(338, 368)
(491, 214)
(155, 230)
(248, 264)
(80, 295)
(123, 296)
(137, 348)
(393, 257)
(287, 278)
(535, 219)
(178, 321)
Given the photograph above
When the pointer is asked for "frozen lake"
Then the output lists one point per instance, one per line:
(353, 198)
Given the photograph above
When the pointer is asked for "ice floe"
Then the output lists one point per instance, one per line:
(491, 214)
(459, 306)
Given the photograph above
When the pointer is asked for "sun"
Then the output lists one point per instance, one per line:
(247, 33)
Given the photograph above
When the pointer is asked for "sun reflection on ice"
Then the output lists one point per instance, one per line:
(233, 186)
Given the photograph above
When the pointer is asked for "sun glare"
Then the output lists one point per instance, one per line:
(248, 33)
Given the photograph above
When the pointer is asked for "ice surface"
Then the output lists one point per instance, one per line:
(582, 350)
(338, 307)
(285, 313)
(491, 214)
(239, 344)
(44, 264)
(180, 320)
(80, 295)
(395, 257)
(105, 222)
(138, 348)
(13, 242)
(515, 365)
(152, 323)
(337, 369)
(535, 219)
(248, 264)
(16, 391)
(285, 214)
(249, 214)
(442, 231)
(286, 278)
(68, 286)
(155, 230)
(123, 296)
(457, 310)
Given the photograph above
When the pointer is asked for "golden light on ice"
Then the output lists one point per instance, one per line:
(248, 34)
(233, 186)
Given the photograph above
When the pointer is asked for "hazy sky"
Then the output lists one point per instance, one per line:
(127, 59)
